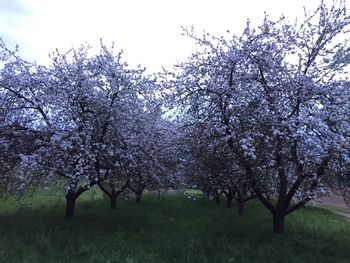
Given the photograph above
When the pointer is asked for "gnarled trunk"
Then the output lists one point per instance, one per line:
(71, 198)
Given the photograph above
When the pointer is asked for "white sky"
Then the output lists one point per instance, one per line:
(149, 31)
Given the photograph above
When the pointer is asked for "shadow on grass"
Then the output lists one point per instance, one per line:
(170, 229)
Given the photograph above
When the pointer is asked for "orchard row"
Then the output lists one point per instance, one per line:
(265, 114)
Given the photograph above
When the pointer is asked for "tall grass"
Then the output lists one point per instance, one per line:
(168, 229)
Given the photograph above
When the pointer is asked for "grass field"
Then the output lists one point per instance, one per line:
(168, 229)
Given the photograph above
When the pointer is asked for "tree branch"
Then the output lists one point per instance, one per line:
(104, 189)
(296, 206)
(249, 198)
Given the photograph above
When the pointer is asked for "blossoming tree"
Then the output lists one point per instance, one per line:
(278, 96)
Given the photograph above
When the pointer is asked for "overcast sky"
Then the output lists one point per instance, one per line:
(149, 31)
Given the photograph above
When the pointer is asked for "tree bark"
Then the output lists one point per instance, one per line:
(71, 198)
(113, 199)
(240, 206)
(217, 199)
(138, 191)
(278, 222)
(113, 194)
(240, 202)
(138, 198)
(229, 199)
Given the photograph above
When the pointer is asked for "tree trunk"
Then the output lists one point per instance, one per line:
(70, 204)
(138, 198)
(240, 202)
(138, 191)
(278, 222)
(229, 199)
(240, 206)
(217, 199)
(113, 199)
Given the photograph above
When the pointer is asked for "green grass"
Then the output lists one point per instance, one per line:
(170, 229)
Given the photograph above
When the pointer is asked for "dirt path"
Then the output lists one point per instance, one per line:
(335, 201)
(346, 215)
